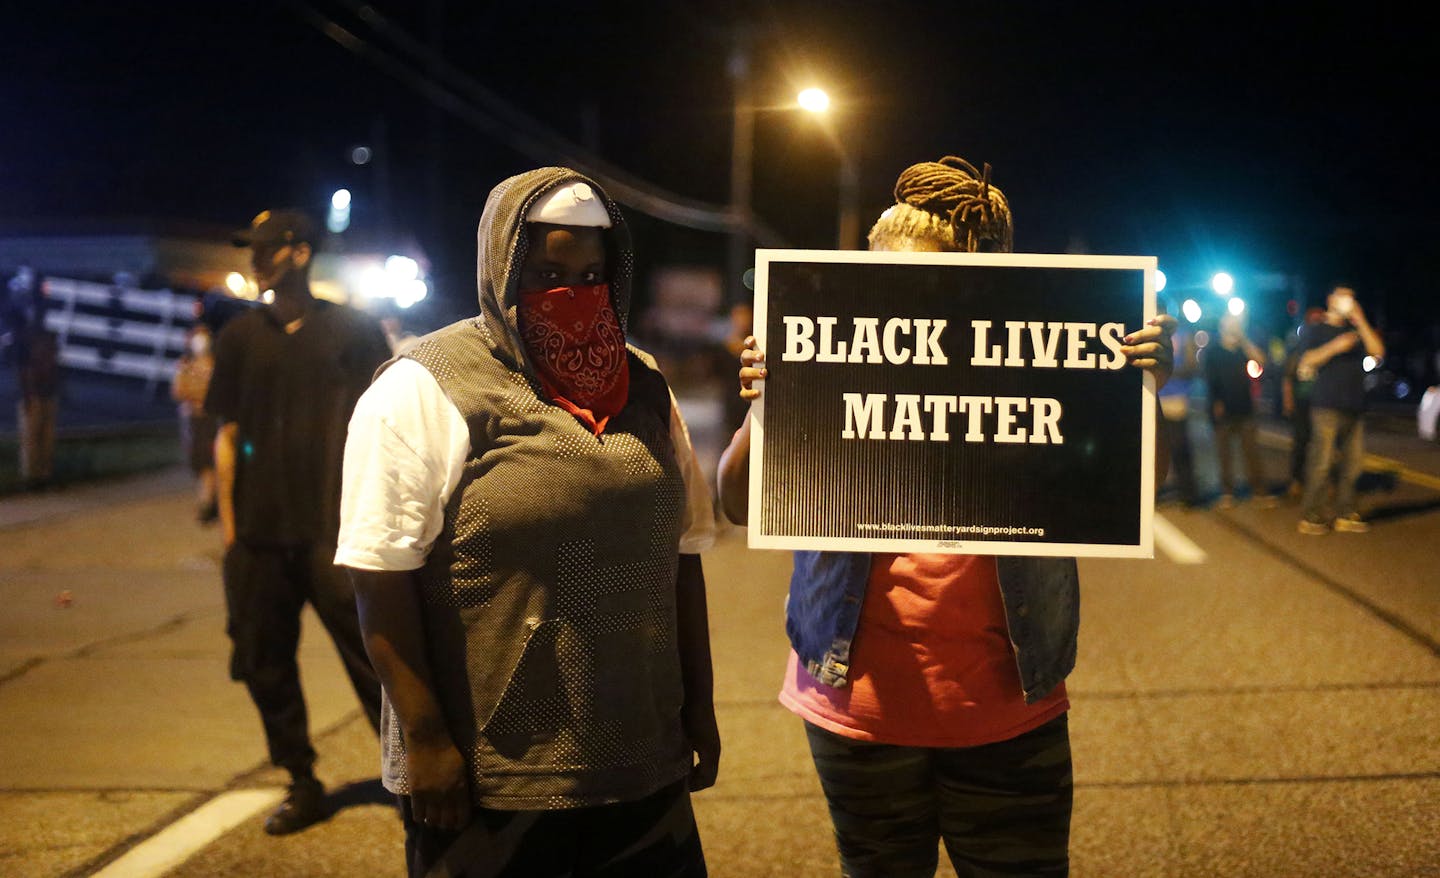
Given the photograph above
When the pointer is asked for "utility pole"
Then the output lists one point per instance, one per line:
(742, 150)
(817, 102)
(849, 233)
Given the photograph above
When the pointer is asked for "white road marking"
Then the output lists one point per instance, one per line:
(180, 840)
(1175, 544)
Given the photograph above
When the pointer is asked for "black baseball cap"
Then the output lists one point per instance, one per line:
(276, 228)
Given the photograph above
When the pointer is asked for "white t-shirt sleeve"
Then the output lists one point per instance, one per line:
(697, 520)
(404, 455)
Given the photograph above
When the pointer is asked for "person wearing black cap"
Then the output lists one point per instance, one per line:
(286, 378)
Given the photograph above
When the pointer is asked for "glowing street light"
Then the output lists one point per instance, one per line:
(814, 99)
(1236, 306)
(1191, 310)
(338, 219)
(1159, 281)
(398, 279)
(1222, 283)
(402, 268)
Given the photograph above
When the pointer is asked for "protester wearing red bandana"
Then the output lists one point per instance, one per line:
(578, 350)
(522, 514)
(570, 331)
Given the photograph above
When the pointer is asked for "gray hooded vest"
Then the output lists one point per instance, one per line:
(549, 596)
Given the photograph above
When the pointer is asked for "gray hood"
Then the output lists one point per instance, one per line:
(502, 244)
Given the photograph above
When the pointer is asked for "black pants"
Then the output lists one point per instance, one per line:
(1300, 424)
(265, 591)
(1182, 459)
(1229, 431)
(653, 837)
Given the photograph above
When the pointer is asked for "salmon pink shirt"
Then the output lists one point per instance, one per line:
(931, 664)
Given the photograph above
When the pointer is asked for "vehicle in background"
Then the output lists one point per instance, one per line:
(1427, 416)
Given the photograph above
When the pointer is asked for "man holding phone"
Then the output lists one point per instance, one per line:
(1333, 351)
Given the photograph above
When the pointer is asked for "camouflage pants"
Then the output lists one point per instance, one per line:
(1000, 809)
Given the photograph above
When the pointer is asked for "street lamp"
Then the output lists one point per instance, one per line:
(337, 219)
(814, 99)
(742, 146)
(817, 102)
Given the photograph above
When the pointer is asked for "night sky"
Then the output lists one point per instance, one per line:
(1292, 138)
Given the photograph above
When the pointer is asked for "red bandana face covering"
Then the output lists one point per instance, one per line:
(578, 350)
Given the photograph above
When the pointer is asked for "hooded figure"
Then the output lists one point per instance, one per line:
(522, 515)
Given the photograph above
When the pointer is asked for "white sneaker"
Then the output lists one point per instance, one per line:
(1312, 528)
(1352, 523)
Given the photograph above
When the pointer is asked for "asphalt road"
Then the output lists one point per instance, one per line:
(1252, 702)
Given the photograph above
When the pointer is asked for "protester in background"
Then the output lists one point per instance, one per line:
(1332, 354)
(14, 302)
(37, 364)
(197, 426)
(1295, 405)
(1174, 399)
(938, 711)
(523, 518)
(287, 375)
(1232, 409)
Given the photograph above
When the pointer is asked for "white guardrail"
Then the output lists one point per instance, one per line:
(118, 331)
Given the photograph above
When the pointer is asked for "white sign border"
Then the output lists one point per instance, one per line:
(1144, 548)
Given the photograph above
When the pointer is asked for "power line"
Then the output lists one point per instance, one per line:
(461, 95)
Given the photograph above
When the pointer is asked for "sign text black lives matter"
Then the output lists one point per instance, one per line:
(969, 403)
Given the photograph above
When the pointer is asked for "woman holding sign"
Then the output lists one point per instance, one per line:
(932, 685)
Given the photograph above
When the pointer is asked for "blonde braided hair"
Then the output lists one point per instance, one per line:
(947, 202)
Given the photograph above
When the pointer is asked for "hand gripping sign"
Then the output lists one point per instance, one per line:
(952, 402)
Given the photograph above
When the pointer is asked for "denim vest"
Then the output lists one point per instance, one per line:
(1042, 614)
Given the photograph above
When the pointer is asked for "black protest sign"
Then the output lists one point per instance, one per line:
(955, 402)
